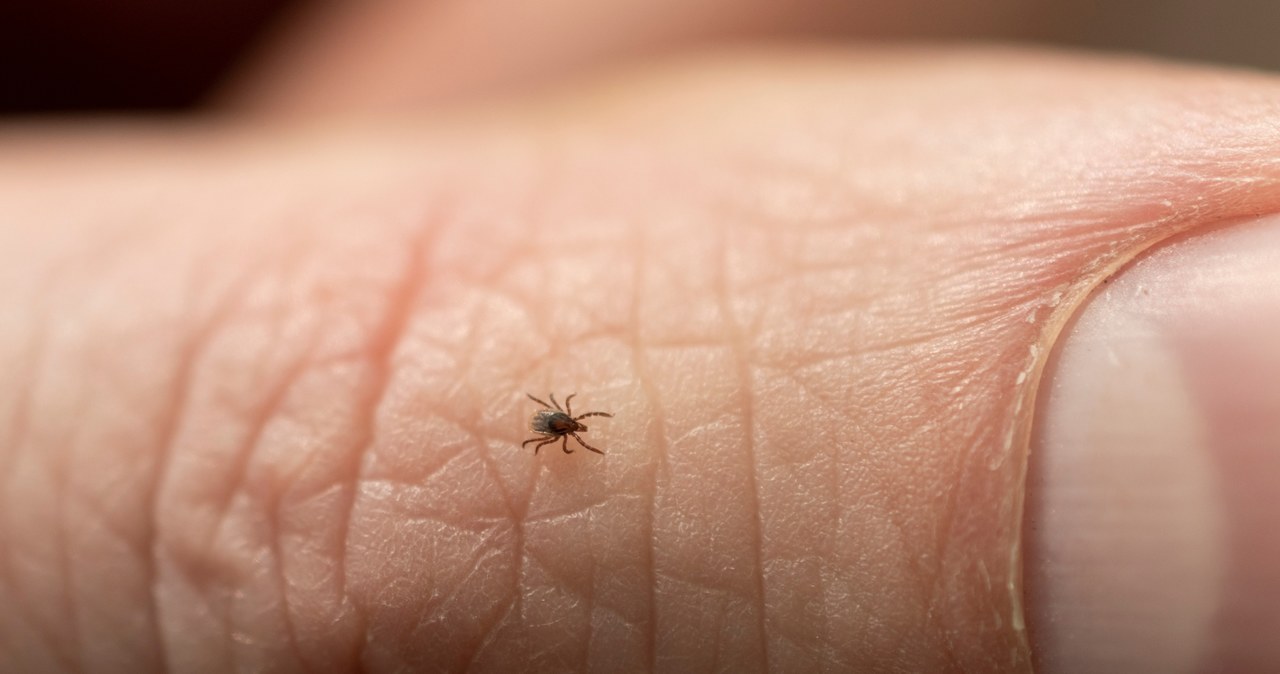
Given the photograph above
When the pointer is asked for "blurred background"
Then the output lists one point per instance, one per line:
(296, 55)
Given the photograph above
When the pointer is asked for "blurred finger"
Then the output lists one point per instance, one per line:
(345, 58)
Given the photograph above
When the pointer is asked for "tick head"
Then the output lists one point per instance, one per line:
(571, 426)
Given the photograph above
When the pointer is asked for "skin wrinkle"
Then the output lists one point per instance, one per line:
(551, 516)
(827, 653)
(518, 524)
(49, 639)
(587, 590)
(474, 568)
(507, 504)
(930, 579)
(272, 477)
(385, 341)
(196, 343)
(269, 410)
(491, 633)
(57, 460)
(271, 405)
(277, 569)
(52, 278)
(520, 552)
(515, 510)
(29, 364)
(430, 471)
(19, 421)
(573, 583)
(590, 599)
(741, 352)
(657, 429)
(722, 589)
(77, 505)
(901, 527)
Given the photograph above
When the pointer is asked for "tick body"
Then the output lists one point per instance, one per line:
(553, 423)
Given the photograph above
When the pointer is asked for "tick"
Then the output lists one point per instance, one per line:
(554, 423)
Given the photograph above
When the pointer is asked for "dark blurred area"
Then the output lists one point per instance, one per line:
(93, 55)
(139, 55)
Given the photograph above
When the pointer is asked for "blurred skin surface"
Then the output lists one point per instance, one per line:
(265, 387)
(349, 58)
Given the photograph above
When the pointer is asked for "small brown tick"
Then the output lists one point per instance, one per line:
(558, 424)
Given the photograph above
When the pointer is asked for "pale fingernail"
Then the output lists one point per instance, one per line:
(1153, 523)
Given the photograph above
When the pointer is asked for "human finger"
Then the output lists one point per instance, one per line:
(821, 347)
(355, 58)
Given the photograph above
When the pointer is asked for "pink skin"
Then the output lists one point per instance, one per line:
(262, 397)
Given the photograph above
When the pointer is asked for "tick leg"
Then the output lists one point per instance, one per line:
(593, 414)
(536, 400)
(565, 446)
(568, 409)
(526, 442)
(579, 439)
(540, 444)
(553, 401)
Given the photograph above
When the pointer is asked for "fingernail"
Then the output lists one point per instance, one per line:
(1153, 522)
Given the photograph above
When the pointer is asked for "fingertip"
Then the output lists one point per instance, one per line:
(1154, 495)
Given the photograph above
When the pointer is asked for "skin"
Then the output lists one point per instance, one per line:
(499, 47)
(263, 388)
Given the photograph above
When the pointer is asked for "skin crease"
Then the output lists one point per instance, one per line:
(265, 389)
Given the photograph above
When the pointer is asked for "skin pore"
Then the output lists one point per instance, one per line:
(263, 389)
